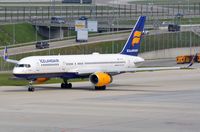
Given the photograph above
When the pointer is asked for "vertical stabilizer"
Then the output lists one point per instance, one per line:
(132, 45)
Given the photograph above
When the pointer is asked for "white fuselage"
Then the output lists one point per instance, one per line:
(76, 64)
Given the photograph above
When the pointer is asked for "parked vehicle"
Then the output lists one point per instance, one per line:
(42, 45)
(58, 20)
(83, 18)
(145, 32)
(173, 27)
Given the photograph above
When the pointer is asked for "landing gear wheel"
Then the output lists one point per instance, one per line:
(62, 85)
(69, 85)
(31, 89)
(66, 85)
(100, 88)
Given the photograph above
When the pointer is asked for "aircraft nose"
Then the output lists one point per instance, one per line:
(15, 71)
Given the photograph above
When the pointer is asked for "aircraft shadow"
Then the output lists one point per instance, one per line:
(111, 87)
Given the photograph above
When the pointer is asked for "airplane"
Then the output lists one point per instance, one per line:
(99, 68)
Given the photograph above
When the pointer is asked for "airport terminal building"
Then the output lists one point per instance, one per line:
(78, 1)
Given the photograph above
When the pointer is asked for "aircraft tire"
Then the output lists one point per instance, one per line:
(31, 89)
(69, 85)
(66, 86)
(63, 85)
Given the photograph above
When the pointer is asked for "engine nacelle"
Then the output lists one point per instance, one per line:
(41, 80)
(100, 79)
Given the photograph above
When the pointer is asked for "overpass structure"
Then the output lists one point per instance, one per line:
(18, 12)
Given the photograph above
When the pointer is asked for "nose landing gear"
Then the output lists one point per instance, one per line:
(30, 87)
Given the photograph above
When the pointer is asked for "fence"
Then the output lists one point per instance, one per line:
(118, 14)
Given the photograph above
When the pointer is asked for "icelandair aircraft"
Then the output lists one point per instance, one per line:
(99, 68)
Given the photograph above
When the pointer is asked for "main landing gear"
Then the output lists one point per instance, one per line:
(30, 87)
(66, 85)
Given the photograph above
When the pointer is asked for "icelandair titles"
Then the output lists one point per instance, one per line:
(132, 50)
(49, 60)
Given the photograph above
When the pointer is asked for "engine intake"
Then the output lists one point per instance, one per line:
(100, 79)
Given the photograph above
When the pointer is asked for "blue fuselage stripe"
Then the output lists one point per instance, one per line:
(48, 75)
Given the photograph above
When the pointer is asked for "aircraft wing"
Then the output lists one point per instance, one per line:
(12, 61)
(88, 71)
(5, 57)
(152, 69)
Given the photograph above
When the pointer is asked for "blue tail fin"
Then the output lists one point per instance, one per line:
(133, 43)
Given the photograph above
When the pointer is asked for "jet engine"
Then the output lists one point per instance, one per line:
(41, 80)
(100, 79)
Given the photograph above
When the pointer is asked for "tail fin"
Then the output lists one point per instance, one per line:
(133, 43)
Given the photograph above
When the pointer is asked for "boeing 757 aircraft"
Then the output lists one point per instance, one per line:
(99, 68)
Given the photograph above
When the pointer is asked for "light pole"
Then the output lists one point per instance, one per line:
(49, 32)
(188, 7)
(52, 3)
(191, 27)
(13, 33)
(112, 28)
(36, 29)
(190, 38)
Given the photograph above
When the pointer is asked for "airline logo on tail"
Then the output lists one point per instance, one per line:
(136, 38)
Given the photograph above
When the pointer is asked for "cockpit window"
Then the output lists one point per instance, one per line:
(23, 65)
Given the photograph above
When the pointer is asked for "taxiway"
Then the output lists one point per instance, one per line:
(166, 101)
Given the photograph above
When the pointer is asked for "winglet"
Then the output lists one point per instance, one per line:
(6, 58)
(5, 53)
(192, 61)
